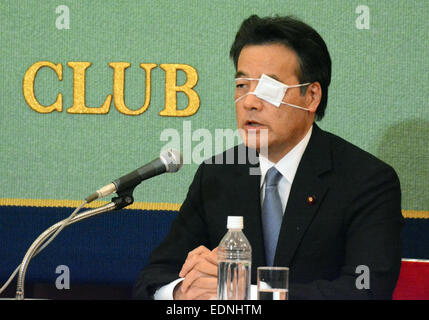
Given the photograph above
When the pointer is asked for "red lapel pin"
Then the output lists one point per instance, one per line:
(311, 199)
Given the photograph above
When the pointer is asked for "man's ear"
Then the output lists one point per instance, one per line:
(313, 96)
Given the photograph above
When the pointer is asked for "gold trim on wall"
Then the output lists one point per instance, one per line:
(153, 206)
(76, 203)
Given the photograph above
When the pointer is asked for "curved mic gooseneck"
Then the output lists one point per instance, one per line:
(169, 161)
(32, 251)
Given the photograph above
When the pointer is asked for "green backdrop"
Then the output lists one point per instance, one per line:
(378, 98)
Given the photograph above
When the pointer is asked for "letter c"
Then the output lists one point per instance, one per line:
(28, 87)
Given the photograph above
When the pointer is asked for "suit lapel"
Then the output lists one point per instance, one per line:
(307, 186)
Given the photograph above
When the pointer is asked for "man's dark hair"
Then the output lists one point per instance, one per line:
(313, 56)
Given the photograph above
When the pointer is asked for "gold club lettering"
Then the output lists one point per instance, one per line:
(79, 89)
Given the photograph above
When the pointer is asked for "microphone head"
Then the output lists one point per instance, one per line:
(172, 159)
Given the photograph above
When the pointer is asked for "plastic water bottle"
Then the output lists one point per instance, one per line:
(234, 263)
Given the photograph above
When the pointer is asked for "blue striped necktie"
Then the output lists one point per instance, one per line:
(272, 214)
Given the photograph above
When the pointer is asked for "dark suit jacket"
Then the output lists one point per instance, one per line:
(355, 220)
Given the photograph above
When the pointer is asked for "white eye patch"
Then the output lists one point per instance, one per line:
(271, 90)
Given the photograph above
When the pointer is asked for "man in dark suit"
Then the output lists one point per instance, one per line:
(341, 207)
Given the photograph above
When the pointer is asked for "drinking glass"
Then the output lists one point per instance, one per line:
(273, 283)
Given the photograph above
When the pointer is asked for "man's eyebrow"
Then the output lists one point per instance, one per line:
(240, 74)
(274, 77)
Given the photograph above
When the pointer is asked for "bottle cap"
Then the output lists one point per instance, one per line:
(235, 222)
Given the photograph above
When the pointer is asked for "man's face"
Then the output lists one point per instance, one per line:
(285, 125)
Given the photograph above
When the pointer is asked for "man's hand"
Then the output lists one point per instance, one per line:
(200, 273)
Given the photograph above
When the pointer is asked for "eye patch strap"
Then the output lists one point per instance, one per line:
(288, 104)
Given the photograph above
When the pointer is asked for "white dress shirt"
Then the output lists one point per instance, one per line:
(287, 166)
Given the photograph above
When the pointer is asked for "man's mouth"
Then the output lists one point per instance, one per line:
(251, 124)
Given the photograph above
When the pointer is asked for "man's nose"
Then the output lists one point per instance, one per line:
(252, 102)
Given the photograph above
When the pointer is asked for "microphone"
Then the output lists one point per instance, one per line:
(168, 161)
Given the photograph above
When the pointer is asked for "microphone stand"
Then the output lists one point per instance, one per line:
(124, 199)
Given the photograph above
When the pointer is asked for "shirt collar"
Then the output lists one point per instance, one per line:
(287, 165)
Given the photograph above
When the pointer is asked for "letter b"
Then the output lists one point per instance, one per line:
(171, 90)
